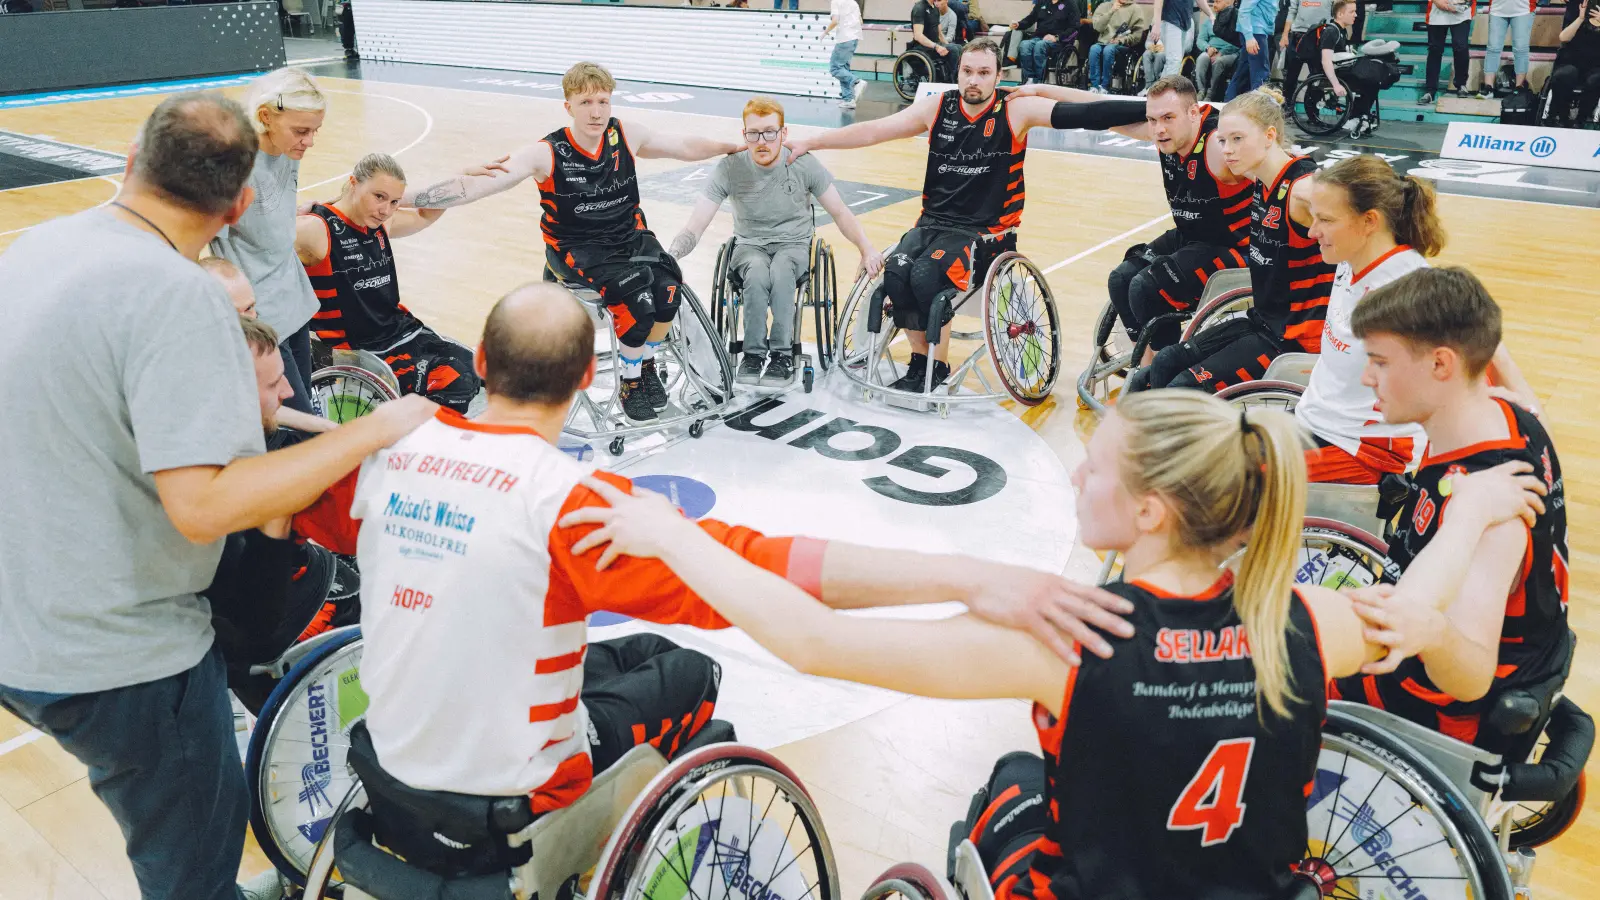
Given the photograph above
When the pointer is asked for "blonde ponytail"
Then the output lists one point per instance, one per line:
(1228, 475)
(1266, 573)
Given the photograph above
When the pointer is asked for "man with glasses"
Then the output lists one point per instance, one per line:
(772, 219)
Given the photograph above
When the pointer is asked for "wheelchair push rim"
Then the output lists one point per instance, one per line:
(1021, 328)
(1382, 819)
(295, 782)
(1283, 396)
(906, 76)
(1317, 109)
(1221, 308)
(671, 846)
(345, 393)
(908, 881)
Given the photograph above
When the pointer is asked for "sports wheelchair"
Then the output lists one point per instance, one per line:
(1227, 296)
(915, 66)
(1319, 111)
(1021, 336)
(816, 289)
(346, 384)
(693, 364)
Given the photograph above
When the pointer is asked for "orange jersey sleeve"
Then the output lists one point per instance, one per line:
(648, 589)
(327, 520)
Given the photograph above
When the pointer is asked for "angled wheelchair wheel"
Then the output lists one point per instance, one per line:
(1336, 555)
(1283, 396)
(858, 347)
(824, 296)
(723, 821)
(911, 69)
(345, 393)
(722, 292)
(1227, 305)
(698, 346)
(909, 881)
(1021, 328)
(295, 764)
(1382, 821)
(1317, 109)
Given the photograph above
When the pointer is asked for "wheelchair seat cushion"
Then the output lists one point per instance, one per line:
(445, 833)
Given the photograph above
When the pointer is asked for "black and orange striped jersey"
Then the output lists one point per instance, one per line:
(1206, 210)
(1534, 634)
(357, 287)
(973, 181)
(1290, 281)
(590, 198)
(1162, 780)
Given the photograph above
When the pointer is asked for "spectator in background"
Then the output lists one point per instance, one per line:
(846, 19)
(134, 453)
(1121, 25)
(1360, 83)
(1578, 60)
(1213, 65)
(287, 110)
(1044, 29)
(1255, 26)
(1450, 19)
(1515, 16)
(1303, 16)
(347, 29)
(1173, 25)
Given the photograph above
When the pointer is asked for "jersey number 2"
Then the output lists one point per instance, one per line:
(1212, 800)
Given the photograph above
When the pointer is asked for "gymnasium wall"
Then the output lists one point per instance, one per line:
(95, 47)
(777, 53)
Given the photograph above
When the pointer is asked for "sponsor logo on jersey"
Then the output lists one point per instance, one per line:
(439, 515)
(1187, 645)
(611, 137)
(598, 205)
(376, 281)
(948, 169)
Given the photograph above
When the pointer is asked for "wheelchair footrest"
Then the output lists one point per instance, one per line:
(386, 877)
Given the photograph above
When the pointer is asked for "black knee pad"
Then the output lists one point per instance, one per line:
(997, 815)
(1118, 284)
(1170, 365)
(1146, 301)
(667, 293)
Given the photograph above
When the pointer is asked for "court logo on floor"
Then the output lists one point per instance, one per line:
(26, 160)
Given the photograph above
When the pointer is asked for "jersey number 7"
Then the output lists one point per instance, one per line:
(1211, 802)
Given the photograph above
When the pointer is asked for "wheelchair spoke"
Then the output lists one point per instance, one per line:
(1382, 830)
(1337, 792)
(1381, 779)
(1398, 856)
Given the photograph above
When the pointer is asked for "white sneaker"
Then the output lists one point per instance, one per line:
(266, 886)
(847, 104)
(857, 91)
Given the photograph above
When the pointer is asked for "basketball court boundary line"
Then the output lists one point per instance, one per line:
(21, 740)
(1107, 242)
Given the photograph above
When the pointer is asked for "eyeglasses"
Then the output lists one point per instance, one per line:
(770, 135)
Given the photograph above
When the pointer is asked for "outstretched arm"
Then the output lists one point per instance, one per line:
(705, 209)
(850, 226)
(913, 120)
(957, 658)
(407, 222)
(652, 144)
(533, 161)
(1125, 117)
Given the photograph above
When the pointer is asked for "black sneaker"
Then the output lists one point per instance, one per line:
(1486, 93)
(915, 371)
(654, 387)
(780, 371)
(750, 369)
(636, 401)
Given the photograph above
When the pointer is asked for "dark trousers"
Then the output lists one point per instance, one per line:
(296, 350)
(1251, 71)
(436, 367)
(162, 758)
(1292, 65)
(1457, 34)
(1565, 79)
(644, 689)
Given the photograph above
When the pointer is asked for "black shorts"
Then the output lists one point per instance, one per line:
(929, 260)
(1237, 350)
(436, 367)
(638, 280)
(644, 689)
(1169, 277)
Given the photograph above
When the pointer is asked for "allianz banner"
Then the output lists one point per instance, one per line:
(1563, 148)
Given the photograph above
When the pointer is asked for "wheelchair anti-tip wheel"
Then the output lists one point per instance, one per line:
(1021, 328)
(909, 881)
(345, 393)
(1382, 821)
(295, 765)
(722, 822)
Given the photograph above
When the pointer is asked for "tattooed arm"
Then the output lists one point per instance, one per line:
(533, 161)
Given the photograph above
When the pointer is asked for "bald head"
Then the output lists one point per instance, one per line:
(196, 150)
(537, 344)
(234, 282)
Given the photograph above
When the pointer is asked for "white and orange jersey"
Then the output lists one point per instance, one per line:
(474, 609)
(1336, 406)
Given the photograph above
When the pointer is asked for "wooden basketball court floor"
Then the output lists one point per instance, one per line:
(888, 785)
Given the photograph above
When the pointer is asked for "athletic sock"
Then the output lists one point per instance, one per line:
(650, 349)
(632, 360)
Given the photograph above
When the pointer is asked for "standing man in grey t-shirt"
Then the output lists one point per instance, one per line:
(773, 222)
(133, 446)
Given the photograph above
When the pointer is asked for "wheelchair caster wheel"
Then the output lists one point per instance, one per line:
(808, 378)
(697, 428)
(616, 446)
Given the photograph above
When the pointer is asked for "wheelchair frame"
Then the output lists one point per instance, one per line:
(357, 377)
(818, 287)
(902, 74)
(1227, 294)
(864, 354)
(694, 398)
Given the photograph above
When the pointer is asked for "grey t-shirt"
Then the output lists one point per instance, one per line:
(261, 244)
(123, 359)
(771, 205)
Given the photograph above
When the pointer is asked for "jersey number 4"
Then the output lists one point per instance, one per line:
(1211, 802)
